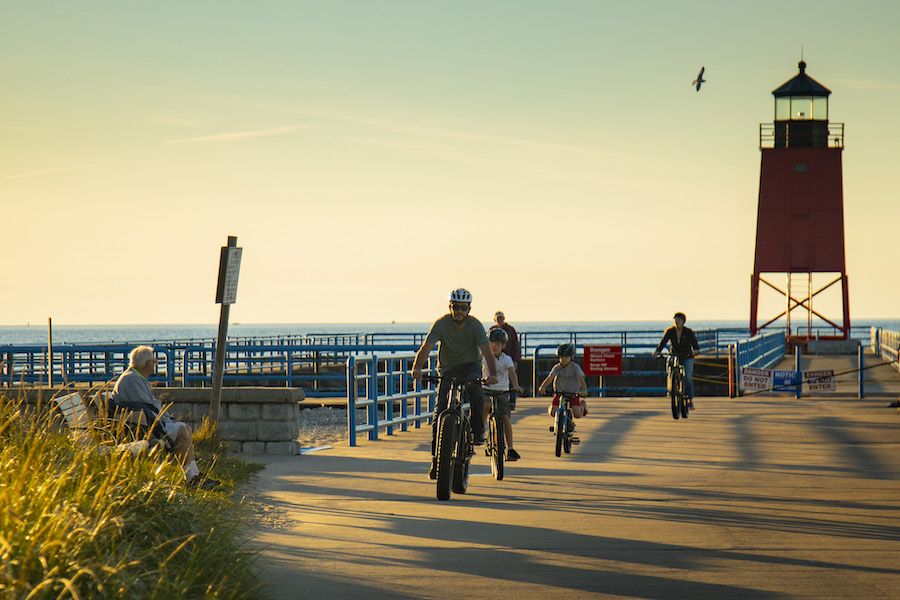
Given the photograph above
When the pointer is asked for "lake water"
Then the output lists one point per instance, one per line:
(73, 334)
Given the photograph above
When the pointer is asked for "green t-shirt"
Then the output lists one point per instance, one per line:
(457, 346)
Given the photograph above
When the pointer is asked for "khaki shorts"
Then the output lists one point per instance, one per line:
(502, 401)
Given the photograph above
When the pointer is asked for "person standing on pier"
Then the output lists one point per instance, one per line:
(512, 349)
(463, 343)
(684, 345)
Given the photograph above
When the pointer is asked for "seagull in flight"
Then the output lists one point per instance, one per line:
(699, 81)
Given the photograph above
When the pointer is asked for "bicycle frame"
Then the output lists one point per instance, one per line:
(564, 424)
(453, 441)
(495, 446)
(675, 385)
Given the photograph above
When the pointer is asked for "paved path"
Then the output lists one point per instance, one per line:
(757, 498)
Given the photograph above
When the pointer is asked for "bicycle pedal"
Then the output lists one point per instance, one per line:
(576, 441)
(551, 429)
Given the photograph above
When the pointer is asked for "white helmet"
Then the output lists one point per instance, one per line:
(460, 295)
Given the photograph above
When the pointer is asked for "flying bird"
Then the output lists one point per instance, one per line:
(699, 81)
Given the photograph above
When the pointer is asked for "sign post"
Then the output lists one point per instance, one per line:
(226, 295)
(49, 351)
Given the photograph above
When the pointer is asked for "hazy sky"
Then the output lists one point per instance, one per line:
(370, 156)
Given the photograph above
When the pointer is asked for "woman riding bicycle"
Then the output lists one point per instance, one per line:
(684, 346)
(567, 379)
(506, 380)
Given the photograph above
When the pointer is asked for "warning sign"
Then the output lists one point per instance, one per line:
(603, 360)
(229, 270)
(784, 381)
(756, 379)
(819, 381)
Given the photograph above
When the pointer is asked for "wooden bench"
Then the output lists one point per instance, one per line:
(118, 434)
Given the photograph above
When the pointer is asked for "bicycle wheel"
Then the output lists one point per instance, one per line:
(560, 430)
(498, 446)
(447, 435)
(674, 392)
(461, 459)
(683, 404)
(567, 441)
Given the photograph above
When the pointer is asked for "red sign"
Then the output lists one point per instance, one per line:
(603, 360)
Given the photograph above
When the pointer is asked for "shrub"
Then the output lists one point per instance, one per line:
(78, 523)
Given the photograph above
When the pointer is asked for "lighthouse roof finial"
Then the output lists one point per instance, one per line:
(802, 85)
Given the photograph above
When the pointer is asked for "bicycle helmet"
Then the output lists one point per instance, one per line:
(565, 350)
(498, 335)
(680, 315)
(460, 295)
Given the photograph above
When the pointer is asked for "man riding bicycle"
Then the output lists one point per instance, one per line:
(463, 343)
(684, 346)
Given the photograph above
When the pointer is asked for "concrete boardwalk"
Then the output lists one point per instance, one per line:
(759, 497)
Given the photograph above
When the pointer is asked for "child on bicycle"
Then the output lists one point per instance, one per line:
(567, 378)
(506, 374)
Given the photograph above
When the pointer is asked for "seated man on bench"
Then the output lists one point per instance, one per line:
(133, 392)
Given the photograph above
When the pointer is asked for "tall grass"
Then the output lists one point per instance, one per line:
(78, 523)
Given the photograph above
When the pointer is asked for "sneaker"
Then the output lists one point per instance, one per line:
(690, 403)
(432, 472)
(203, 482)
(512, 455)
(479, 440)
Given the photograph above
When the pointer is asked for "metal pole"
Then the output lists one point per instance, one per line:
(373, 396)
(50, 351)
(219, 365)
(351, 399)
(861, 376)
(731, 373)
(798, 373)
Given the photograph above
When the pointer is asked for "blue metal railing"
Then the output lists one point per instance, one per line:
(318, 368)
(761, 351)
(384, 385)
(634, 343)
(712, 342)
(538, 375)
(81, 363)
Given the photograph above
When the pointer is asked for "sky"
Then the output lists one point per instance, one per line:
(370, 156)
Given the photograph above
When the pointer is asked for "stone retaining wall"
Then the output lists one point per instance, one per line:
(253, 420)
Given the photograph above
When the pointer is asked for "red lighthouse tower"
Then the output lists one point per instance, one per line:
(800, 223)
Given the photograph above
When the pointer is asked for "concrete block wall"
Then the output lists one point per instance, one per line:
(252, 420)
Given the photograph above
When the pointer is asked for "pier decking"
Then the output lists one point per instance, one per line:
(752, 498)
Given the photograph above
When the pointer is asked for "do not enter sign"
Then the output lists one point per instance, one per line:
(603, 360)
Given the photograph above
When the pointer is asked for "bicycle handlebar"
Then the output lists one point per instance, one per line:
(579, 393)
(438, 378)
(662, 354)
